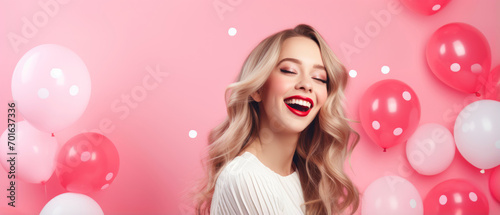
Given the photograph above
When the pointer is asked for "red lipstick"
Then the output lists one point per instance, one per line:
(299, 112)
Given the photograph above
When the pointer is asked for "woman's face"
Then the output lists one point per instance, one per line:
(297, 87)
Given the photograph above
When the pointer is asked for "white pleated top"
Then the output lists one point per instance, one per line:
(247, 186)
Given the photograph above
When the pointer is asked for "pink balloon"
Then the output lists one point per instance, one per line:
(459, 55)
(455, 196)
(494, 183)
(389, 111)
(391, 195)
(87, 162)
(426, 7)
(51, 87)
(430, 150)
(35, 160)
(492, 86)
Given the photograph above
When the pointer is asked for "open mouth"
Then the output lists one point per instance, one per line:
(299, 105)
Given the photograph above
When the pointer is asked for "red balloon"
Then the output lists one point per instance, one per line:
(459, 55)
(426, 7)
(455, 196)
(87, 162)
(389, 112)
(495, 183)
(492, 86)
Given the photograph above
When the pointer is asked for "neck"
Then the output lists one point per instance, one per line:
(275, 149)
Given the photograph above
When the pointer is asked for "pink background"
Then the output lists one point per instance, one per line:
(189, 40)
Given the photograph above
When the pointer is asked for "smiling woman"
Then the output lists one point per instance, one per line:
(282, 148)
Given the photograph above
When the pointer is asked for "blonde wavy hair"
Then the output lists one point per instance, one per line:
(322, 147)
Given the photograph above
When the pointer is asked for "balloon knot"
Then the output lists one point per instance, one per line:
(478, 94)
(385, 150)
(52, 134)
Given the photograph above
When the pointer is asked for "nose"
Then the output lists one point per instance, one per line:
(304, 84)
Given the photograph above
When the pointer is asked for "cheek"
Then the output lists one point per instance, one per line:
(321, 97)
(276, 87)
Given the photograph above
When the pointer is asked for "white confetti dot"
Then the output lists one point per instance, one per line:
(443, 200)
(497, 144)
(406, 96)
(385, 69)
(109, 176)
(56, 73)
(436, 7)
(104, 186)
(43, 93)
(353, 73)
(473, 196)
(397, 131)
(193, 133)
(85, 156)
(455, 67)
(73, 90)
(413, 203)
(376, 125)
(482, 171)
(476, 68)
(232, 31)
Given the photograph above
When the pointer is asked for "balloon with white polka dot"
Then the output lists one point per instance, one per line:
(456, 196)
(51, 87)
(406, 95)
(93, 161)
(397, 131)
(376, 125)
(109, 176)
(476, 68)
(457, 53)
(425, 7)
(43, 93)
(455, 67)
(443, 200)
(389, 112)
(436, 7)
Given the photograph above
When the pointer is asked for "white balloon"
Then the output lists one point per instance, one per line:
(35, 153)
(430, 149)
(51, 86)
(391, 195)
(72, 203)
(477, 133)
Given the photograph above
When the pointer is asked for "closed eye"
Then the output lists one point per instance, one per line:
(321, 80)
(286, 71)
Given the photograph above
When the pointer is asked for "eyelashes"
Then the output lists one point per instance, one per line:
(287, 71)
(290, 72)
(321, 80)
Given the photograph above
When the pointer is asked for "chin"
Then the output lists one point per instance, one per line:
(298, 127)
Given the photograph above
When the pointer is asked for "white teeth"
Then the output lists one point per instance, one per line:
(299, 102)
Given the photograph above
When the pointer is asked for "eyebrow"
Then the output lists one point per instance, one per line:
(297, 61)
